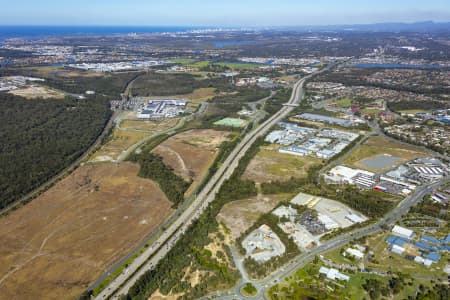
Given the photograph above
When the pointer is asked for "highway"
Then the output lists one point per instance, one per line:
(122, 283)
(301, 260)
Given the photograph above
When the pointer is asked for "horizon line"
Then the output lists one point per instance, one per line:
(226, 26)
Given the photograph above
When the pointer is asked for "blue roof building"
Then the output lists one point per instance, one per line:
(424, 246)
(444, 248)
(430, 239)
(395, 240)
(447, 239)
(433, 256)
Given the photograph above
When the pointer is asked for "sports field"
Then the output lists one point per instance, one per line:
(231, 122)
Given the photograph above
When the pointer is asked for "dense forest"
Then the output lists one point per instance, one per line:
(417, 104)
(164, 84)
(109, 85)
(42, 137)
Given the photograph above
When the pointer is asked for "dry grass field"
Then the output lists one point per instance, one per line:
(197, 96)
(55, 246)
(120, 141)
(201, 95)
(149, 125)
(269, 165)
(35, 92)
(191, 153)
(51, 71)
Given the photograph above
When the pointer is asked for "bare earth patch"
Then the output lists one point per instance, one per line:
(158, 296)
(269, 165)
(197, 96)
(35, 92)
(56, 245)
(62, 72)
(191, 153)
(121, 140)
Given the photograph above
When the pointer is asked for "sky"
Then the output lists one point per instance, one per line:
(220, 12)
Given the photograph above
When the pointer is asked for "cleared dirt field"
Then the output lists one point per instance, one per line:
(121, 141)
(158, 296)
(191, 153)
(269, 165)
(56, 245)
(378, 145)
(50, 71)
(197, 96)
(35, 92)
(240, 215)
(149, 125)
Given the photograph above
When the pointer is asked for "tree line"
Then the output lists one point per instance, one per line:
(153, 167)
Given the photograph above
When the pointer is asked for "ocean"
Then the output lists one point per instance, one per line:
(55, 31)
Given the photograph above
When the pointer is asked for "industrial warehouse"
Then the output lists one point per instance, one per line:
(401, 180)
(303, 141)
(158, 109)
(329, 120)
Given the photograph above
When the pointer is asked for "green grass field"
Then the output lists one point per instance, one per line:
(336, 256)
(231, 122)
(370, 111)
(344, 103)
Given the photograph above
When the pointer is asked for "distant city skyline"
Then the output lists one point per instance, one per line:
(219, 13)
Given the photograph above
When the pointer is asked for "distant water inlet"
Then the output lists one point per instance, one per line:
(401, 66)
(380, 161)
